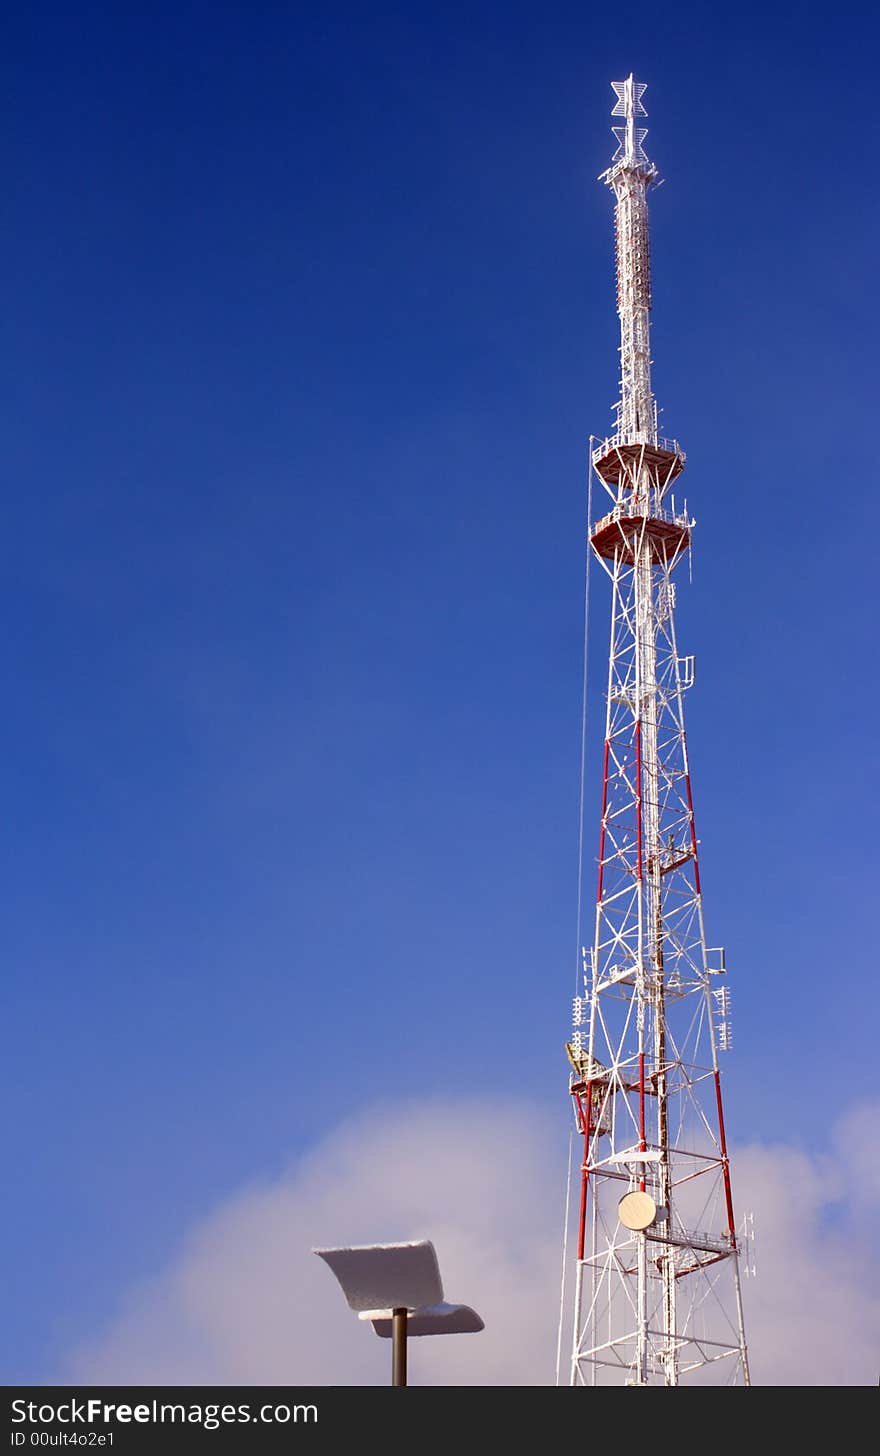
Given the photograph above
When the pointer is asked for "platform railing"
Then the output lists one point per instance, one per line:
(628, 510)
(638, 437)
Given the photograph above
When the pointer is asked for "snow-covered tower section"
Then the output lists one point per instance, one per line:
(630, 175)
(654, 1296)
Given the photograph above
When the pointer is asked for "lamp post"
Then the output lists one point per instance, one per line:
(399, 1319)
(398, 1288)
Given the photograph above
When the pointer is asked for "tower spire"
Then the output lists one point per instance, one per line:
(657, 1269)
(630, 175)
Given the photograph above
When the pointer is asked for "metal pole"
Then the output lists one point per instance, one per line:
(398, 1346)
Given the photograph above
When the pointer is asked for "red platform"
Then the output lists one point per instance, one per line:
(615, 457)
(618, 535)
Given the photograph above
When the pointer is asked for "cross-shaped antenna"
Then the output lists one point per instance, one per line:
(629, 95)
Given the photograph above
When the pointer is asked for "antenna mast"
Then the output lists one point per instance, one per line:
(657, 1295)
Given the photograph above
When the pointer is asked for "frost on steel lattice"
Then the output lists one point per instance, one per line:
(655, 1297)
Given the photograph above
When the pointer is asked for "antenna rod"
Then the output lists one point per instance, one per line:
(630, 175)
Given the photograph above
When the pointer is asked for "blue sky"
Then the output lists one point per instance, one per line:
(308, 312)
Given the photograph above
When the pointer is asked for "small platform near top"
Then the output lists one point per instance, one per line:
(619, 536)
(618, 453)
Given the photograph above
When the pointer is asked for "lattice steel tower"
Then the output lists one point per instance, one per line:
(657, 1296)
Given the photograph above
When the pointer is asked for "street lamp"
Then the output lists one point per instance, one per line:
(397, 1287)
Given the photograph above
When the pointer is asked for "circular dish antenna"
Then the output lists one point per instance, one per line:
(637, 1210)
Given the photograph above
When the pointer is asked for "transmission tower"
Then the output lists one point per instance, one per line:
(657, 1296)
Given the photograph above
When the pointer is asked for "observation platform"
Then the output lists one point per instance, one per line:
(621, 454)
(619, 534)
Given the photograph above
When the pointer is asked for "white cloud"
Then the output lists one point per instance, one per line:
(245, 1301)
(813, 1312)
